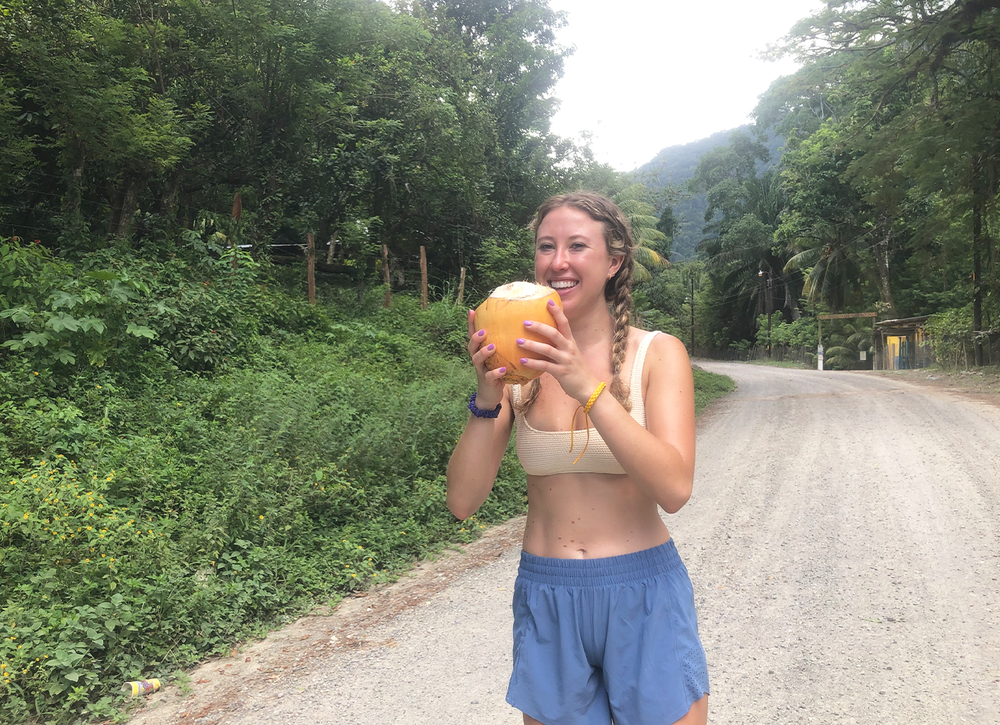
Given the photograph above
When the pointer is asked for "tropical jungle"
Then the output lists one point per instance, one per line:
(238, 240)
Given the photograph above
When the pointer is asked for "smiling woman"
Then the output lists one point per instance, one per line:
(604, 620)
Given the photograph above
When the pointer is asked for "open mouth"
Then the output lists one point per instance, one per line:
(561, 286)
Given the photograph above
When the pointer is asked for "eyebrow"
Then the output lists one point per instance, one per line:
(575, 237)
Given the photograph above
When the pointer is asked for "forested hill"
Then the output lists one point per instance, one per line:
(675, 165)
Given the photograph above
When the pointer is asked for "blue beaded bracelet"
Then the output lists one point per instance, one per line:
(483, 413)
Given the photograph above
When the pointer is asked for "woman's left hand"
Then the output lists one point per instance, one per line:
(565, 363)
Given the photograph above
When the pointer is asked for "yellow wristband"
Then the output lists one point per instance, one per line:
(590, 403)
(586, 411)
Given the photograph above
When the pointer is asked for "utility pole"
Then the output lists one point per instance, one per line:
(691, 279)
(768, 302)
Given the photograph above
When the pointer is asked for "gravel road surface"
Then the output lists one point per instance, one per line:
(842, 540)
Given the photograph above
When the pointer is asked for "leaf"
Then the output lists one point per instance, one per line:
(64, 299)
(17, 314)
(66, 357)
(37, 339)
(92, 323)
(101, 274)
(140, 330)
(63, 321)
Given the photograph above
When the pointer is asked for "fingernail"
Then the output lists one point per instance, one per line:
(520, 341)
(490, 346)
(524, 361)
(481, 333)
(527, 323)
(552, 303)
(502, 370)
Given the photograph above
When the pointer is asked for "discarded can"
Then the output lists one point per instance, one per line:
(141, 687)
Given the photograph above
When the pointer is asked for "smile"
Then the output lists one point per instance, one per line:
(563, 285)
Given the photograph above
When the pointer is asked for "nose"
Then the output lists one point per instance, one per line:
(560, 258)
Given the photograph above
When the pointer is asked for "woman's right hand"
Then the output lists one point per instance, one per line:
(490, 391)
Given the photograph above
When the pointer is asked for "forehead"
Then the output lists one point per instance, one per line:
(568, 221)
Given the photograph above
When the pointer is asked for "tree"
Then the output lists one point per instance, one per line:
(911, 88)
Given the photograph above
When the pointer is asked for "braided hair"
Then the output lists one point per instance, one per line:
(617, 290)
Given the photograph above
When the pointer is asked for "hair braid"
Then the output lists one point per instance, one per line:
(617, 290)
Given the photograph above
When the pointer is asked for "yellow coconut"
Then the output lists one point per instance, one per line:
(502, 315)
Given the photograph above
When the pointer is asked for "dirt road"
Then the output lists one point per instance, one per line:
(842, 540)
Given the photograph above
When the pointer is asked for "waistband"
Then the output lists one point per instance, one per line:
(606, 571)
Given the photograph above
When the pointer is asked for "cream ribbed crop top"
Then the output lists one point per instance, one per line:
(546, 452)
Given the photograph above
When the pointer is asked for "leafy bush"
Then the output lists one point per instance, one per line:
(952, 337)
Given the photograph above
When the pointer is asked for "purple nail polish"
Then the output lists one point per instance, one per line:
(520, 341)
(490, 347)
(503, 370)
(552, 303)
(524, 361)
(527, 323)
(481, 333)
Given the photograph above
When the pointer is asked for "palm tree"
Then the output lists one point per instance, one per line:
(846, 344)
(830, 266)
(640, 214)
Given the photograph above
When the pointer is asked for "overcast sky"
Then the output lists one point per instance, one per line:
(649, 74)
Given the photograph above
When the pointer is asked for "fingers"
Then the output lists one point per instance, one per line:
(494, 376)
(475, 339)
(471, 319)
(562, 322)
(481, 355)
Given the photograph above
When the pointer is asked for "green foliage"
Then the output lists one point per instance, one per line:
(709, 386)
(802, 332)
(952, 336)
(214, 499)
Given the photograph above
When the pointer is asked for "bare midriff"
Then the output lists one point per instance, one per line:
(590, 516)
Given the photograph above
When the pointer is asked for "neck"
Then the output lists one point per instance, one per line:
(593, 327)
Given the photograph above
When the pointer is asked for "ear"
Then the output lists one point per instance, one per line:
(616, 264)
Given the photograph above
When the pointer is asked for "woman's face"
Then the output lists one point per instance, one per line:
(572, 257)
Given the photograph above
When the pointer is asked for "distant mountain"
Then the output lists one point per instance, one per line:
(674, 166)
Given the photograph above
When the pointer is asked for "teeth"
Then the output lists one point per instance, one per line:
(563, 285)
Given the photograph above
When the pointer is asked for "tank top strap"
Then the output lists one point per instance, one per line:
(515, 395)
(635, 383)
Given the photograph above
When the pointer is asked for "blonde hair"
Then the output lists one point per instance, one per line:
(617, 290)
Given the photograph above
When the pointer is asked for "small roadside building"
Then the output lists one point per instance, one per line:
(901, 344)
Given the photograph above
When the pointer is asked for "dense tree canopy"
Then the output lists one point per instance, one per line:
(888, 184)
(424, 125)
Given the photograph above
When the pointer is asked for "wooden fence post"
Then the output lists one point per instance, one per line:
(385, 274)
(461, 285)
(311, 267)
(423, 278)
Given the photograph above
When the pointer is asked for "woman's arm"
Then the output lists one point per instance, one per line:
(476, 459)
(659, 459)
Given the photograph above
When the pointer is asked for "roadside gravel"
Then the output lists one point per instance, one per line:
(842, 541)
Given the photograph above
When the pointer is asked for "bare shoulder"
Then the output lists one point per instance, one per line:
(663, 346)
(667, 356)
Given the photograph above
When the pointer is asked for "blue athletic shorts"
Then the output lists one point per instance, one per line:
(596, 639)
